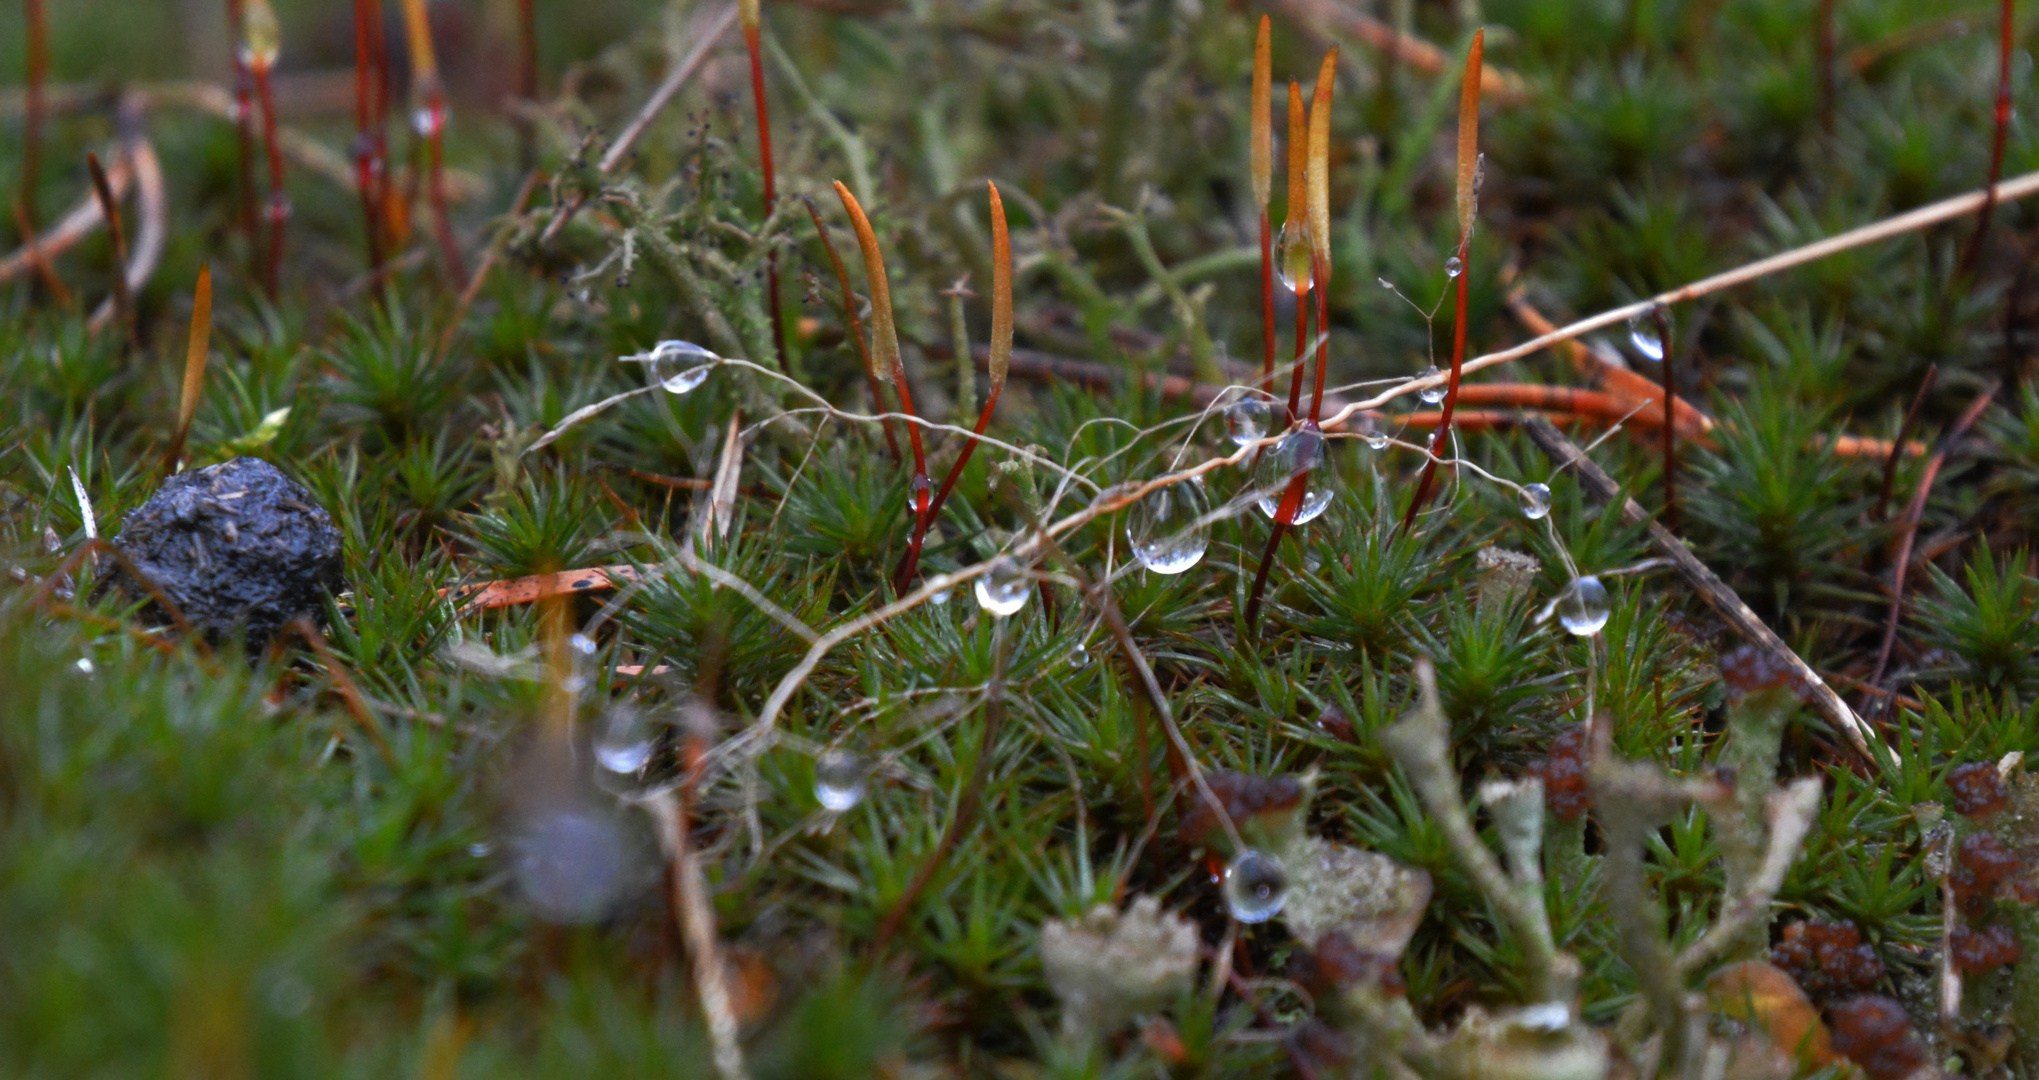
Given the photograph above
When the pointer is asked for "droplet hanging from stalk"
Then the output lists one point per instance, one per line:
(1165, 527)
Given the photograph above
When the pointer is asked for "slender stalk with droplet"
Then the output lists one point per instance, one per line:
(31, 133)
(999, 362)
(1296, 262)
(748, 13)
(1468, 205)
(195, 352)
(1319, 197)
(2006, 32)
(432, 91)
(1263, 189)
(367, 21)
(262, 38)
(884, 334)
(244, 130)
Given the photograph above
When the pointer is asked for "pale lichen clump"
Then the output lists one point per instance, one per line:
(1110, 966)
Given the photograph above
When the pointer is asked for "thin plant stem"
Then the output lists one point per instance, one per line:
(195, 351)
(1263, 187)
(2005, 32)
(1267, 331)
(1663, 321)
(31, 133)
(748, 11)
(367, 17)
(278, 207)
(432, 91)
(527, 81)
(123, 304)
(851, 323)
(244, 129)
(1825, 46)
(1904, 431)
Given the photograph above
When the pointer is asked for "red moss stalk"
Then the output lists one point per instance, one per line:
(1263, 189)
(2005, 32)
(999, 362)
(31, 135)
(1320, 217)
(262, 40)
(367, 123)
(885, 341)
(854, 326)
(1663, 321)
(432, 126)
(1298, 226)
(1468, 180)
(749, 14)
(244, 128)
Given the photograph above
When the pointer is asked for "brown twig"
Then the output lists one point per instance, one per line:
(1563, 453)
(370, 160)
(153, 212)
(123, 304)
(748, 13)
(489, 258)
(194, 367)
(2005, 34)
(1904, 430)
(1908, 526)
(33, 249)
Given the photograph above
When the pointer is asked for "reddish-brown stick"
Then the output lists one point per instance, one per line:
(1909, 526)
(367, 15)
(244, 129)
(278, 207)
(750, 16)
(1904, 431)
(2005, 32)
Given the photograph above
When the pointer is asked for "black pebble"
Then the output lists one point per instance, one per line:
(238, 547)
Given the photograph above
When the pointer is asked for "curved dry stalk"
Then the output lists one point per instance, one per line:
(154, 234)
(195, 352)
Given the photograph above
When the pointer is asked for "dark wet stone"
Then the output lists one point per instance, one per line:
(239, 548)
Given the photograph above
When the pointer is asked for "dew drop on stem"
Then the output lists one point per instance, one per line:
(1166, 528)
(1642, 333)
(1294, 265)
(1004, 587)
(839, 780)
(1294, 454)
(1255, 886)
(1453, 267)
(1584, 607)
(1246, 419)
(678, 366)
(624, 742)
(580, 655)
(1535, 499)
(1431, 395)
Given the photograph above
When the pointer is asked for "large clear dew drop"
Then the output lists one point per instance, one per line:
(1166, 528)
(1298, 452)
(1246, 419)
(1642, 333)
(1255, 886)
(1584, 607)
(1431, 394)
(571, 863)
(581, 652)
(678, 366)
(624, 740)
(1453, 267)
(1004, 587)
(839, 780)
(1535, 500)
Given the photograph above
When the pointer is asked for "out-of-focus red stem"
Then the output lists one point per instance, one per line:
(31, 135)
(244, 129)
(527, 82)
(442, 219)
(910, 565)
(757, 93)
(1320, 286)
(2005, 33)
(1296, 372)
(367, 17)
(1284, 519)
(1825, 46)
(1442, 435)
(278, 209)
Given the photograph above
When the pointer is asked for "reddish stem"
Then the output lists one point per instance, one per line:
(31, 135)
(1267, 299)
(1825, 45)
(1320, 285)
(1663, 322)
(1996, 148)
(1296, 372)
(1284, 520)
(910, 565)
(1904, 432)
(527, 82)
(244, 130)
(367, 15)
(757, 93)
(279, 204)
(442, 220)
(1442, 435)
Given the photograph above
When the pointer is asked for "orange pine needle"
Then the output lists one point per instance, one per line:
(195, 352)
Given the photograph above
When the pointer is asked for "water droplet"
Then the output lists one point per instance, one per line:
(277, 208)
(1004, 587)
(1584, 607)
(1165, 529)
(941, 597)
(1255, 886)
(1431, 394)
(1643, 335)
(1377, 439)
(571, 863)
(625, 742)
(428, 121)
(839, 780)
(85, 666)
(679, 366)
(1386, 284)
(580, 658)
(1246, 419)
(480, 849)
(919, 495)
(1293, 263)
(1535, 501)
(1298, 452)
(1079, 656)
(1453, 267)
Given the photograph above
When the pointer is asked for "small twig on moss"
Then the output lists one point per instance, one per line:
(1564, 454)
(2006, 35)
(696, 916)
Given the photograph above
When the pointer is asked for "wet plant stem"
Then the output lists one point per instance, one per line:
(1296, 371)
(1663, 321)
(244, 131)
(367, 160)
(123, 304)
(1442, 434)
(278, 208)
(31, 132)
(2005, 32)
(1904, 432)
(1266, 300)
(435, 184)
